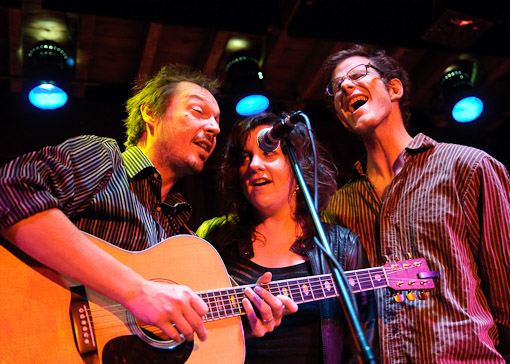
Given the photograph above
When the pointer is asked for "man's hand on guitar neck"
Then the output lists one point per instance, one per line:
(271, 308)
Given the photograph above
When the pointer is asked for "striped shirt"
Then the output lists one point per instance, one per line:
(114, 196)
(449, 204)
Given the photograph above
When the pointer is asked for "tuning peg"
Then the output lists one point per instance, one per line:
(409, 256)
(430, 274)
(398, 297)
(411, 296)
(423, 295)
(386, 259)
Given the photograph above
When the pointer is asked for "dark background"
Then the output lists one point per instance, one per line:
(115, 41)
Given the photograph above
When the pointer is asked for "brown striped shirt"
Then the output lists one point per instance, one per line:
(451, 205)
(114, 196)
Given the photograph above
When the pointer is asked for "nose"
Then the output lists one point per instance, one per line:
(212, 126)
(256, 163)
(347, 84)
(345, 89)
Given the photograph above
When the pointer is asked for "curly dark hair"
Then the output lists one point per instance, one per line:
(387, 65)
(235, 203)
(155, 93)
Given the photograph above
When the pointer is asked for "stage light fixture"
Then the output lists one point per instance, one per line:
(246, 85)
(48, 75)
(459, 90)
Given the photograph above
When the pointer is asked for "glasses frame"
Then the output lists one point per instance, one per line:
(343, 78)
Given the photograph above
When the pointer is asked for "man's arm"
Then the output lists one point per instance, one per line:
(52, 239)
(488, 210)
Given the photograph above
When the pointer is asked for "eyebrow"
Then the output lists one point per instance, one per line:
(197, 97)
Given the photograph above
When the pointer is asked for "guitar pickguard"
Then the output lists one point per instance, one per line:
(130, 349)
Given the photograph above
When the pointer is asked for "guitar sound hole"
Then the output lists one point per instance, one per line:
(150, 334)
(154, 333)
(131, 350)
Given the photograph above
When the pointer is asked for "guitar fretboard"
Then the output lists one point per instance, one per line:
(227, 302)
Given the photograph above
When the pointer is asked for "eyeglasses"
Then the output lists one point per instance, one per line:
(354, 74)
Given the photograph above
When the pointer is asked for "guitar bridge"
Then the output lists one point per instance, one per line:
(81, 319)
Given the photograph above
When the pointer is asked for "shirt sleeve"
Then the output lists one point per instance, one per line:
(63, 176)
(207, 230)
(487, 208)
(330, 214)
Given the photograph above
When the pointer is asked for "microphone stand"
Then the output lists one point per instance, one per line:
(350, 311)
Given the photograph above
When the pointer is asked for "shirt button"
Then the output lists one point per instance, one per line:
(158, 209)
(156, 175)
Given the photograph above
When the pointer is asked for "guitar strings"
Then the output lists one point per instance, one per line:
(291, 288)
(227, 302)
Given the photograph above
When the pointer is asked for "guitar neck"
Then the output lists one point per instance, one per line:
(227, 302)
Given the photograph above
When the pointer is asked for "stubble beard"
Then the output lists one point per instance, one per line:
(178, 164)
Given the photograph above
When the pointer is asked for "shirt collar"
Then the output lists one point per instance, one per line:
(136, 161)
(419, 144)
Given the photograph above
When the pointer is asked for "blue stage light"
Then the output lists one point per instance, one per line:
(49, 71)
(459, 90)
(47, 96)
(252, 104)
(467, 109)
(246, 85)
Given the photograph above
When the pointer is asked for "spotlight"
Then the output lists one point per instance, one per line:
(48, 72)
(246, 85)
(458, 90)
(47, 96)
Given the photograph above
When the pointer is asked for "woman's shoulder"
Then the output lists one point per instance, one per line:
(208, 228)
(338, 231)
(346, 244)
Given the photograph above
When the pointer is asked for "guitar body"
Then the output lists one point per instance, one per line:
(34, 311)
(35, 321)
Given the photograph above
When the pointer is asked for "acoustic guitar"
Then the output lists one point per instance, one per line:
(48, 318)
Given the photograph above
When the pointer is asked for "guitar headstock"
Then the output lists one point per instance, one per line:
(413, 274)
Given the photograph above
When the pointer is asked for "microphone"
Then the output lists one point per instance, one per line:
(268, 139)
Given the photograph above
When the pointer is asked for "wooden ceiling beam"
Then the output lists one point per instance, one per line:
(150, 49)
(15, 50)
(498, 70)
(85, 48)
(311, 82)
(217, 48)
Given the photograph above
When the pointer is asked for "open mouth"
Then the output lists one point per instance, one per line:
(357, 102)
(260, 182)
(204, 145)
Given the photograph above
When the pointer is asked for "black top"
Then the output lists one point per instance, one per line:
(298, 339)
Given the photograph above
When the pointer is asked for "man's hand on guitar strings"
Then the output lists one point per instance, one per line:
(173, 308)
(270, 308)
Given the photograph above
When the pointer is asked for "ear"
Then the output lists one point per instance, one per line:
(147, 116)
(396, 89)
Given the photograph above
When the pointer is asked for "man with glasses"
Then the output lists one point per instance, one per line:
(449, 204)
